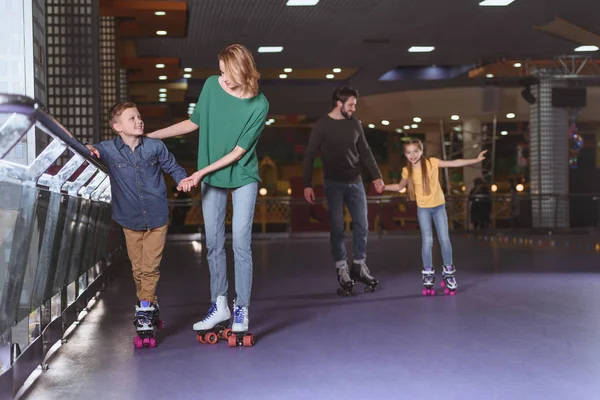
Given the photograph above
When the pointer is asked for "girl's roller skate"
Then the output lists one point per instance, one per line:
(449, 283)
(214, 326)
(346, 283)
(428, 282)
(360, 273)
(144, 323)
(239, 329)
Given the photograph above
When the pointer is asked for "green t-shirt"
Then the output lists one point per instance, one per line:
(226, 121)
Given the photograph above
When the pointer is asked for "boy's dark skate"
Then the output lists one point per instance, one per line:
(360, 273)
(449, 280)
(428, 282)
(146, 319)
(346, 283)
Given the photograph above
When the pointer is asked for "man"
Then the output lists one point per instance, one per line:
(341, 140)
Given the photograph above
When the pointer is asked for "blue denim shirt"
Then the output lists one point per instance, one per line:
(139, 193)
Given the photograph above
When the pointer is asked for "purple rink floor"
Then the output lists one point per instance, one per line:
(524, 325)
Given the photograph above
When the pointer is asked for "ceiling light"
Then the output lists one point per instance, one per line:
(406, 126)
(302, 2)
(160, 13)
(270, 49)
(385, 122)
(517, 65)
(163, 100)
(192, 104)
(399, 130)
(162, 77)
(187, 70)
(162, 95)
(421, 49)
(371, 126)
(489, 76)
(587, 48)
(271, 120)
(504, 133)
(282, 76)
(494, 187)
(330, 76)
(287, 70)
(495, 3)
(510, 115)
(414, 126)
(455, 118)
(162, 90)
(417, 119)
(160, 65)
(187, 76)
(337, 70)
(161, 33)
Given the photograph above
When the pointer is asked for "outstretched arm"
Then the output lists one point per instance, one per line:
(197, 176)
(180, 128)
(462, 162)
(396, 187)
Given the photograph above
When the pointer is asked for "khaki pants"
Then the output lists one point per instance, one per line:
(145, 250)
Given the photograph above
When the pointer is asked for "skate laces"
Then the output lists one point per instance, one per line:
(343, 274)
(238, 314)
(211, 311)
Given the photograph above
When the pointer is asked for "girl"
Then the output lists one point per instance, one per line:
(230, 113)
(421, 175)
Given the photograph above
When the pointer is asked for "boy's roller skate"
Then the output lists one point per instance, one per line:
(214, 326)
(144, 323)
(428, 282)
(449, 283)
(360, 273)
(346, 283)
(239, 328)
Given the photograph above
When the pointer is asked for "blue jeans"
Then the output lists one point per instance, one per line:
(353, 195)
(440, 219)
(214, 209)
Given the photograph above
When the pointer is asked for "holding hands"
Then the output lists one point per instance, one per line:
(186, 184)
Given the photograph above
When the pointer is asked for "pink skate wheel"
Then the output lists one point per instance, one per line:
(425, 292)
(443, 284)
(453, 293)
(432, 292)
(152, 343)
(160, 324)
(447, 291)
(137, 342)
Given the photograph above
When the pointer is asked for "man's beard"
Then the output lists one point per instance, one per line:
(345, 114)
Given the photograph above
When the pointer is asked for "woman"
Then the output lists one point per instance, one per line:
(231, 114)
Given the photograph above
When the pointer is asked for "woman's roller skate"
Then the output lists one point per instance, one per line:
(346, 283)
(146, 318)
(239, 329)
(428, 282)
(360, 273)
(214, 326)
(449, 283)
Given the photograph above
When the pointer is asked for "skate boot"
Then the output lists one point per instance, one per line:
(346, 283)
(449, 283)
(144, 326)
(214, 326)
(156, 321)
(360, 273)
(239, 328)
(428, 282)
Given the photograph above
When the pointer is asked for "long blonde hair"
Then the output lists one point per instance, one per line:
(424, 171)
(239, 65)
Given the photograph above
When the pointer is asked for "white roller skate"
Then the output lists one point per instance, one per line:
(214, 326)
(428, 282)
(239, 328)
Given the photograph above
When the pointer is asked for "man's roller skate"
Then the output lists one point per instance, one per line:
(214, 326)
(428, 282)
(449, 283)
(360, 273)
(146, 318)
(239, 329)
(346, 283)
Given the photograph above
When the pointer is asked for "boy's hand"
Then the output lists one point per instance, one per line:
(193, 180)
(481, 156)
(93, 150)
(379, 185)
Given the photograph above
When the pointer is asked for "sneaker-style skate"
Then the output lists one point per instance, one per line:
(360, 273)
(144, 325)
(449, 280)
(346, 283)
(239, 328)
(214, 326)
(428, 282)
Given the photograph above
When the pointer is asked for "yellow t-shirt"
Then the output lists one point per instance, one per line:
(436, 195)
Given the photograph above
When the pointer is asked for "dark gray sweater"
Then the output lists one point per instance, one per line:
(343, 148)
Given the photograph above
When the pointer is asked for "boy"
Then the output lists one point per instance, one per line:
(139, 205)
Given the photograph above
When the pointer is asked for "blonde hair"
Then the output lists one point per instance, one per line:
(239, 65)
(424, 172)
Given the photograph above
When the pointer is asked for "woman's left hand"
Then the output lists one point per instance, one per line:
(191, 181)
